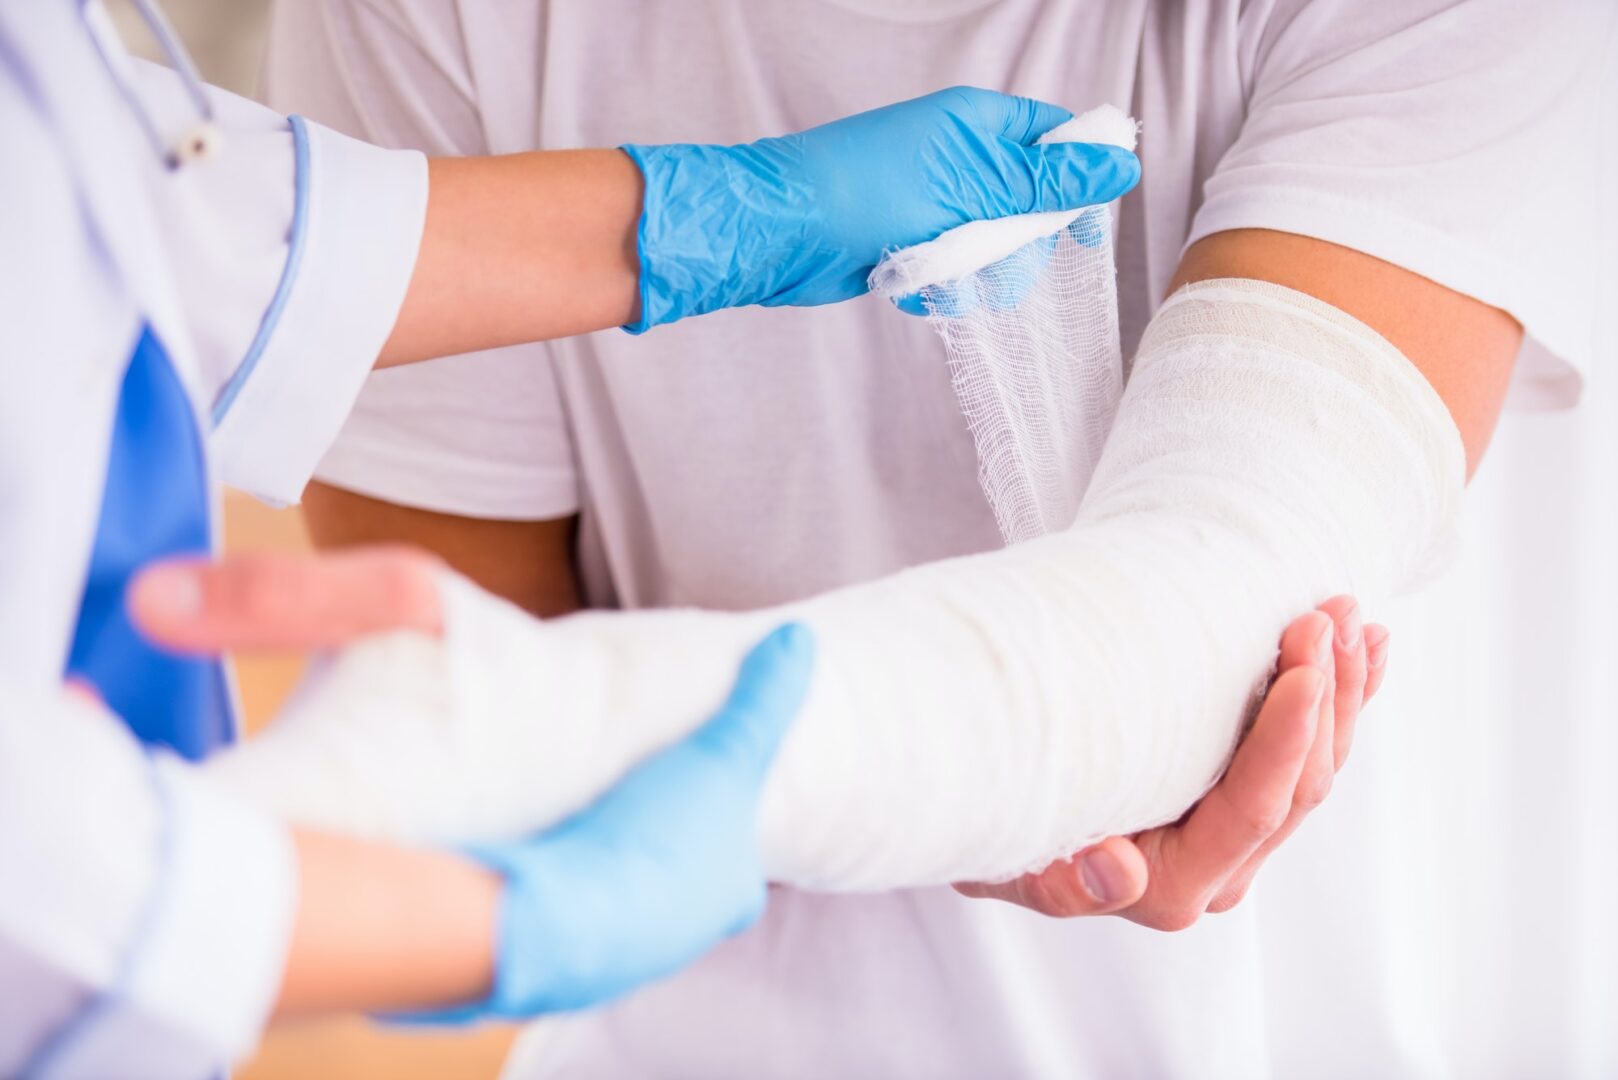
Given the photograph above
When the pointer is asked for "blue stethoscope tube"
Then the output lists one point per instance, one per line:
(200, 139)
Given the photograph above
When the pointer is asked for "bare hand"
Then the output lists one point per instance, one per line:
(1166, 878)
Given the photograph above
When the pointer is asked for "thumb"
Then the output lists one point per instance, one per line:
(770, 689)
(1067, 176)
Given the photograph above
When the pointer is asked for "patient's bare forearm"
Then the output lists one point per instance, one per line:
(529, 563)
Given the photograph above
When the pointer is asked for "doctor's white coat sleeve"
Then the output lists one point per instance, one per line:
(145, 915)
(292, 251)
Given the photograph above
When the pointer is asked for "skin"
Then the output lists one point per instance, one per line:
(386, 929)
(479, 267)
(377, 927)
(501, 231)
(1166, 878)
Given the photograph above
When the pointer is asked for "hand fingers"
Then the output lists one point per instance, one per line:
(1377, 639)
(266, 601)
(1315, 782)
(1090, 227)
(1102, 879)
(1020, 119)
(1351, 665)
(911, 305)
(773, 682)
(1067, 176)
(1248, 805)
(1302, 645)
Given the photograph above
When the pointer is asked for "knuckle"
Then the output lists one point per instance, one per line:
(1035, 893)
(1259, 820)
(1313, 789)
(966, 98)
(1265, 821)
(1176, 918)
(1228, 897)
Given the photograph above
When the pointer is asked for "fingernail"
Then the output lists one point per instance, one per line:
(1103, 876)
(1323, 644)
(1348, 631)
(169, 590)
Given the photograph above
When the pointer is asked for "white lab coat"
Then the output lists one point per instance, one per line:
(140, 908)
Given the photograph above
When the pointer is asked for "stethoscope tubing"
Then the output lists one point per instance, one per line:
(201, 138)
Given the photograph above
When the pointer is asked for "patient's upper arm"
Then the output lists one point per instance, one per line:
(1464, 347)
(529, 563)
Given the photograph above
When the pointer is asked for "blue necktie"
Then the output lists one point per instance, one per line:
(155, 505)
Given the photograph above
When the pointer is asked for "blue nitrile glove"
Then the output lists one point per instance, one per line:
(1014, 277)
(803, 219)
(657, 871)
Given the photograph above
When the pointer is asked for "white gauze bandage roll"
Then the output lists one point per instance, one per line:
(1027, 307)
(969, 719)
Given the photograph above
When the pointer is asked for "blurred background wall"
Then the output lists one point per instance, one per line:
(226, 39)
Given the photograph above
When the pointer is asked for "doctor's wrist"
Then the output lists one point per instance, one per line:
(380, 928)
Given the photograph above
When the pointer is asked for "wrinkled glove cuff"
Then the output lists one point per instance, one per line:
(704, 207)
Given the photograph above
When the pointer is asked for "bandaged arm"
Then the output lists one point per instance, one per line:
(972, 718)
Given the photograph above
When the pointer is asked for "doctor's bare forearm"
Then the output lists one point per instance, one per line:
(382, 928)
(521, 247)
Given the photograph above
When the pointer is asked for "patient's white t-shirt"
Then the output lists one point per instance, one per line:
(756, 456)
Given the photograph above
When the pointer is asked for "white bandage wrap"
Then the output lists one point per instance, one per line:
(969, 719)
(966, 249)
(1027, 307)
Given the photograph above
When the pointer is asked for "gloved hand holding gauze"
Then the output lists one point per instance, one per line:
(968, 719)
(1027, 306)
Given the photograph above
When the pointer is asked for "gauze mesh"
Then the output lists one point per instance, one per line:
(1028, 310)
(968, 719)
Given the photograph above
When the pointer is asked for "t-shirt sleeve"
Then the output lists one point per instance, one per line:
(1461, 141)
(484, 435)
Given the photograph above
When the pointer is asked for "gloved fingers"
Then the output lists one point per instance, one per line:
(768, 692)
(1012, 279)
(1067, 176)
(911, 305)
(1089, 229)
(273, 601)
(1020, 119)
